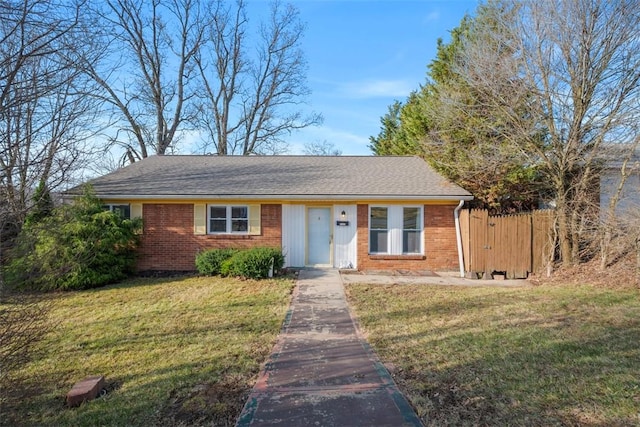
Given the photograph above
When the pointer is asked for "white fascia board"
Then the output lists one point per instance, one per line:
(294, 197)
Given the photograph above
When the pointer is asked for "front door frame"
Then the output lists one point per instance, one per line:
(329, 209)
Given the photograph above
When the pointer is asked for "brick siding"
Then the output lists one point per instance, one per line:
(440, 248)
(168, 242)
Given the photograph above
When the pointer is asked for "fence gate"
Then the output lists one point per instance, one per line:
(515, 245)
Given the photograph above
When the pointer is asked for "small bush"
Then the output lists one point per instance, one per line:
(209, 263)
(255, 263)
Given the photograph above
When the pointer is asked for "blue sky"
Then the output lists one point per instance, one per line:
(363, 55)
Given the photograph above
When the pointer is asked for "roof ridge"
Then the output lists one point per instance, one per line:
(236, 156)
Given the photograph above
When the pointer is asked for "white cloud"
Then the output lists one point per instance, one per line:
(379, 88)
(432, 16)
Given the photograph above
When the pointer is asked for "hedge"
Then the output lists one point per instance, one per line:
(209, 262)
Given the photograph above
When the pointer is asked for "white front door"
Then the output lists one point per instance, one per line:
(319, 236)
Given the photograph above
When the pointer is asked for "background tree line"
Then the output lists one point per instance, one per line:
(525, 104)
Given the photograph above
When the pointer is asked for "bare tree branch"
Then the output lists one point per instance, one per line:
(145, 70)
(324, 148)
(44, 117)
(250, 103)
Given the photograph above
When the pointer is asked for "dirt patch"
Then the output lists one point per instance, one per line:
(214, 403)
(623, 274)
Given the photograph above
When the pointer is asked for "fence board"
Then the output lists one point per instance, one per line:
(478, 239)
(464, 234)
(514, 244)
(542, 246)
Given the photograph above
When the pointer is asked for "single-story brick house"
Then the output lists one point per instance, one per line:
(364, 212)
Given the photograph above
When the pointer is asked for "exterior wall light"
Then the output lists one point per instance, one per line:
(343, 220)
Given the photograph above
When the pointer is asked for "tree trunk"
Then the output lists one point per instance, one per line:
(638, 260)
(564, 231)
(605, 244)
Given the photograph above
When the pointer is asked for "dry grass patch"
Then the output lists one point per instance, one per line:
(174, 352)
(547, 355)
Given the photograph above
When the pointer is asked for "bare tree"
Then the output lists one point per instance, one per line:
(619, 222)
(579, 61)
(43, 114)
(249, 102)
(44, 128)
(324, 148)
(144, 69)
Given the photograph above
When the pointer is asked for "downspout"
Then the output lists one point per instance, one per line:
(456, 215)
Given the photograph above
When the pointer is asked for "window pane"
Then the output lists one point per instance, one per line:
(239, 225)
(378, 219)
(411, 242)
(378, 241)
(218, 226)
(411, 219)
(122, 210)
(239, 212)
(218, 212)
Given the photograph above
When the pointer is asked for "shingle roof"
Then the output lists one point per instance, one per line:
(296, 177)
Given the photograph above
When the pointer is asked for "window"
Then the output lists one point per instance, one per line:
(123, 210)
(378, 234)
(411, 231)
(228, 219)
(395, 230)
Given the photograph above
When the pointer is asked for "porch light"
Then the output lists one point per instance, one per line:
(342, 222)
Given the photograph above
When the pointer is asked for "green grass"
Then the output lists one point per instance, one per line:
(180, 351)
(537, 356)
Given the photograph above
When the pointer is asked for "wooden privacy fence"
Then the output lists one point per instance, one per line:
(514, 245)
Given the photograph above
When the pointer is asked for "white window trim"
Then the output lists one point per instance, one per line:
(395, 229)
(112, 206)
(388, 230)
(420, 230)
(228, 219)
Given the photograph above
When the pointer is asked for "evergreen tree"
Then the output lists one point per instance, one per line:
(42, 204)
(447, 124)
(79, 246)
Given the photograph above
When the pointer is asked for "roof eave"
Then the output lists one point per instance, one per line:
(294, 197)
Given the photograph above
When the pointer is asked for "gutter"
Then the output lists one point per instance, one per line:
(456, 216)
(284, 197)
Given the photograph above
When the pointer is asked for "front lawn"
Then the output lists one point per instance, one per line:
(180, 351)
(539, 356)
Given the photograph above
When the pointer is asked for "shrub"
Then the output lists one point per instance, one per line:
(79, 246)
(226, 267)
(209, 263)
(255, 263)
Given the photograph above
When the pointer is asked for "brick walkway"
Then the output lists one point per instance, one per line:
(321, 372)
